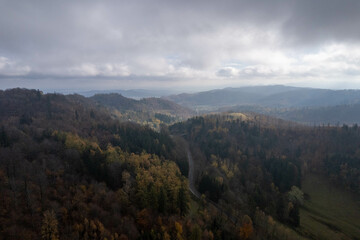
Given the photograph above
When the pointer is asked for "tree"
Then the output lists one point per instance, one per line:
(294, 215)
(4, 140)
(196, 233)
(246, 228)
(162, 200)
(183, 201)
(178, 231)
(49, 228)
(296, 196)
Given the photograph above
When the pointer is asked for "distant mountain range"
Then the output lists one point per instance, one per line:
(132, 93)
(276, 96)
(305, 105)
(333, 115)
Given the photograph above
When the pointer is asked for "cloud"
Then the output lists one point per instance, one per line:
(105, 70)
(11, 68)
(331, 62)
(178, 42)
(315, 22)
(228, 72)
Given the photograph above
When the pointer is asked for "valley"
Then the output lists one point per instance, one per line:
(308, 106)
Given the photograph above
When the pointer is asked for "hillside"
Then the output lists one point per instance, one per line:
(132, 93)
(333, 115)
(70, 169)
(256, 164)
(322, 216)
(340, 114)
(151, 111)
(70, 113)
(123, 104)
(266, 96)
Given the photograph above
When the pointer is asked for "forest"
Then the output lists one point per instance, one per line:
(255, 164)
(70, 168)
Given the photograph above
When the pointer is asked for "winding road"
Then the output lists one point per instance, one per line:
(197, 194)
(192, 188)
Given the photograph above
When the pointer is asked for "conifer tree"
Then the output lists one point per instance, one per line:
(183, 201)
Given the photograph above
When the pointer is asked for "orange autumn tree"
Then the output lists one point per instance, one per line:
(246, 229)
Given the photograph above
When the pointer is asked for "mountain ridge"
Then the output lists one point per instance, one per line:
(268, 96)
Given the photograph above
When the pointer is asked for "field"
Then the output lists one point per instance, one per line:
(330, 212)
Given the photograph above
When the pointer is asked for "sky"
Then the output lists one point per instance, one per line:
(180, 45)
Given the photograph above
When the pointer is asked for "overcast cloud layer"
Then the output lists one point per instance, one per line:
(184, 44)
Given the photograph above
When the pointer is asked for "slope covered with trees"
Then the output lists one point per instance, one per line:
(151, 111)
(276, 96)
(304, 105)
(331, 115)
(255, 164)
(70, 171)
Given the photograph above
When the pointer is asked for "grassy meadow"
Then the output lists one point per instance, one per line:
(330, 212)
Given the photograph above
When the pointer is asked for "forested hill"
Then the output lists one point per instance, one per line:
(267, 96)
(22, 107)
(148, 111)
(156, 105)
(303, 105)
(334, 115)
(68, 170)
(229, 136)
(256, 164)
(348, 114)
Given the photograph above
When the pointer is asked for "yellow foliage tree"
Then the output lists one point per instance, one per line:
(49, 228)
(75, 142)
(179, 230)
